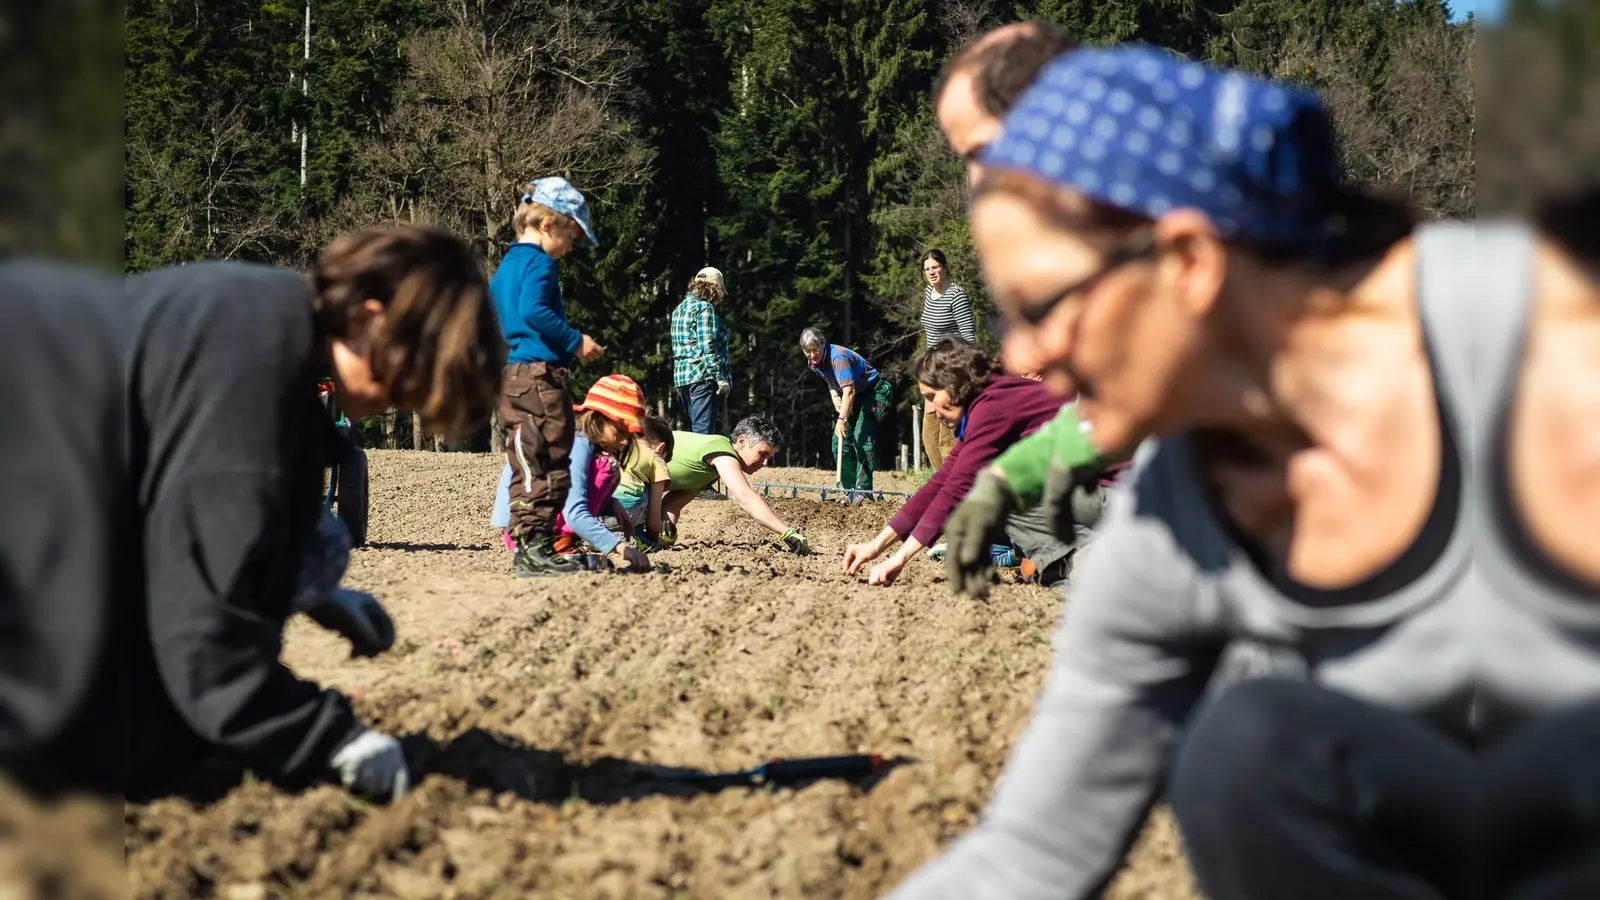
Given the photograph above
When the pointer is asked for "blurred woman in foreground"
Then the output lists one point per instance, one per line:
(1176, 243)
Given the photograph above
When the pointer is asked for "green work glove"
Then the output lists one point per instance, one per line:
(795, 542)
(970, 530)
(1072, 500)
(1057, 501)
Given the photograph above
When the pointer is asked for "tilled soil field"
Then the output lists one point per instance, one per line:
(530, 710)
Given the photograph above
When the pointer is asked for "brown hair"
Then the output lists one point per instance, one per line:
(1004, 67)
(1569, 220)
(958, 367)
(1363, 223)
(439, 350)
(659, 431)
(592, 425)
(707, 290)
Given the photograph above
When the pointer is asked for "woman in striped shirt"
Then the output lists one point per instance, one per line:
(946, 312)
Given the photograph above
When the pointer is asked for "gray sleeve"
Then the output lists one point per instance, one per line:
(1132, 656)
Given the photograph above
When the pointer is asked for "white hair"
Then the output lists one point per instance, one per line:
(812, 339)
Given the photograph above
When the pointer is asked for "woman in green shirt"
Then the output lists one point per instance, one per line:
(699, 460)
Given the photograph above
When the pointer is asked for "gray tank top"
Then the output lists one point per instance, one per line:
(1541, 637)
(1167, 588)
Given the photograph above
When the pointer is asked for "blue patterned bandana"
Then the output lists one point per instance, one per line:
(1142, 130)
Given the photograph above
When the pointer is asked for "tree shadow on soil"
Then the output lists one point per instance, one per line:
(499, 763)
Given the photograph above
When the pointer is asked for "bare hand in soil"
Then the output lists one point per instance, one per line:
(858, 555)
(886, 572)
(633, 559)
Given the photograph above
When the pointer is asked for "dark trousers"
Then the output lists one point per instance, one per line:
(700, 403)
(1285, 789)
(536, 415)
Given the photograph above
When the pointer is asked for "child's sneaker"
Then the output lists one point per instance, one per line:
(537, 558)
(508, 540)
(936, 552)
(590, 562)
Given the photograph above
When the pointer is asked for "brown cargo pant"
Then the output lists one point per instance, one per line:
(938, 439)
(536, 418)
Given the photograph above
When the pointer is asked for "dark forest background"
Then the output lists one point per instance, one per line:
(790, 143)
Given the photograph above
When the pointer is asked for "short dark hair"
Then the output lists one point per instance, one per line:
(1569, 218)
(758, 428)
(1003, 69)
(937, 256)
(657, 430)
(958, 367)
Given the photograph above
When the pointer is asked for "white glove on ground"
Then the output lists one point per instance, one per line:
(374, 766)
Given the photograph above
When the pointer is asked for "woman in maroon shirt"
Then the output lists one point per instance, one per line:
(989, 412)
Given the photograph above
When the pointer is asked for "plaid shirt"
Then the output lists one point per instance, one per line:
(699, 344)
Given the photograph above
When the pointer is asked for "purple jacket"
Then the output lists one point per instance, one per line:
(1005, 411)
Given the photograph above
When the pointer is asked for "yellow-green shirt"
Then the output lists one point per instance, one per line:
(642, 469)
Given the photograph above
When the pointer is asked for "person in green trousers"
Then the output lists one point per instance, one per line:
(861, 399)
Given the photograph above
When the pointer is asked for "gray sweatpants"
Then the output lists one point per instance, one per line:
(1034, 534)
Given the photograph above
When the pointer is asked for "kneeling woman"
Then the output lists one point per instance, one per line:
(1311, 373)
(989, 412)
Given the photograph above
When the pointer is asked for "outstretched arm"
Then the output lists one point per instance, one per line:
(1131, 659)
(748, 498)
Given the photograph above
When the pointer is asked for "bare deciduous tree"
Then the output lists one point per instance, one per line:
(963, 20)
(1411, 127)
(220, 205)
(498, 96)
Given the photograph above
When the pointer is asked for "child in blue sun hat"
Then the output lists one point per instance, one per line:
(536, 415)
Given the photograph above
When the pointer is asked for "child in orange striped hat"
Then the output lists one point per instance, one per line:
(607, 420)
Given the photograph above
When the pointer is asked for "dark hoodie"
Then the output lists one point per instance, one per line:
(1006, 410)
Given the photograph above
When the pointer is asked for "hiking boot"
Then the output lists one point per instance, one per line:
(536, 558)
(590, 562)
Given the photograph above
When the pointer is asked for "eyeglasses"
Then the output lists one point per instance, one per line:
(1135, 246)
